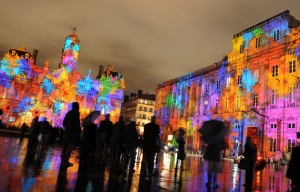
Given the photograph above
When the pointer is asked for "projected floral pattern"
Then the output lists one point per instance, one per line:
(258, 78)
(27, 90)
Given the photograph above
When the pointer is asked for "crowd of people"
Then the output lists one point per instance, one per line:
(105, 139)
(100, 140)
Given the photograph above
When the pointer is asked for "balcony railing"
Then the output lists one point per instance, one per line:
(273, 106)
(291, 104)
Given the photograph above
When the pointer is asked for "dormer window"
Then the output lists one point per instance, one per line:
(257, 42)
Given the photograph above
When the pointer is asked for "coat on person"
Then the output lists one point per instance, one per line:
(250, 153)
(105, 130)
(151, 132)
(181, 152)
(89, 134)
(44, 127)
(131, 136)
(118, 132)
(34, 126)
(72, 125)
(293, 171)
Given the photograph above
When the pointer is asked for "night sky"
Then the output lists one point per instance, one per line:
(157, 39)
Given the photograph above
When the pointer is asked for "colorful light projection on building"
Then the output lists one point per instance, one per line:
(260, 74)
(27, 90)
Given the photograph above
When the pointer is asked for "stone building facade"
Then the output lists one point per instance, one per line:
(27, 90)
(140, 106)
(254, 89)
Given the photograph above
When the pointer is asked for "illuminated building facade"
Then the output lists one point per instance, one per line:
(140, 106)
(254, 89)
(27, 90)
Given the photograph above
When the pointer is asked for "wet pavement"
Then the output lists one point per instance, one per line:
(23, 169)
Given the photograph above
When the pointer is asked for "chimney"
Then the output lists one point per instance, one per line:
(126, 98)
(101, 71)
(140, 92)
(35, 53)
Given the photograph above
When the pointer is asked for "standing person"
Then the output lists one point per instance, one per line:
(44, 130)
(151, 132)
(215, 141)
(293, 171)
(250, 154)
(131, 139)
(118, 141)
(71, 134)
(89, 139)
(33, 131)
(105, 132)
(181, 143)
(23, 130)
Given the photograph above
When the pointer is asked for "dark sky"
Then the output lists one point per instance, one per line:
(158, 39)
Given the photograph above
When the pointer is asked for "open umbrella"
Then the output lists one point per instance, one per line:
(213, 131)
(88, 119)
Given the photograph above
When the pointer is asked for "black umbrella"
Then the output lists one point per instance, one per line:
(88, 119)
(213, 131)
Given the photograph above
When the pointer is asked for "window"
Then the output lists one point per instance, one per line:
(239, 80)
(236, 126)
(218, 84)
(274, 96)
(217, 103)
(141, 109)
(276, 35)
(228, 82)
(256, 75)
(205, 106)
(141, 101)
(255, 99)
(144, 116)
(140, 115)
(242, 48)
(257, 42)
(145, 108)
(291, 144)
(151, 110)
(273, 145)
(226, 103)
(238, 101)
(138, 123)
(143, 123)
(206, 89)
(292, 92)
(273, 126)
(291, 125)
(274, 70)
(81, 87)
(292, 66)
(92, 89)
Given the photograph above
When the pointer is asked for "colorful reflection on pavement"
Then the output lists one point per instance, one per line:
(39, 170)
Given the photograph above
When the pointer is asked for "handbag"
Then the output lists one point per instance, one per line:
(244, 164)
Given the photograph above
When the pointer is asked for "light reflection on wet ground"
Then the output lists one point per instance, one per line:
(22, 169)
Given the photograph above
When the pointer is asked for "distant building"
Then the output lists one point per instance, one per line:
(140, 106)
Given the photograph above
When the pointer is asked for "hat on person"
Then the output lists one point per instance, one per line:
(133, 119)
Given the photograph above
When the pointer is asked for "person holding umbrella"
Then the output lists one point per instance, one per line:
(89, 134)
(213, 133)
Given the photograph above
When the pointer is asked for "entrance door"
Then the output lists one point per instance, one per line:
(253, 133)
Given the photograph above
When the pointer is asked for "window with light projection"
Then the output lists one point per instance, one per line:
(252, 87)
(27, 90)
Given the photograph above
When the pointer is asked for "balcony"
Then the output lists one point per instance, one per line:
(273, 106)
(291, 104)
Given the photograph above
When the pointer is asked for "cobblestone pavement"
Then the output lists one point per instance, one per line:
(22, 169)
